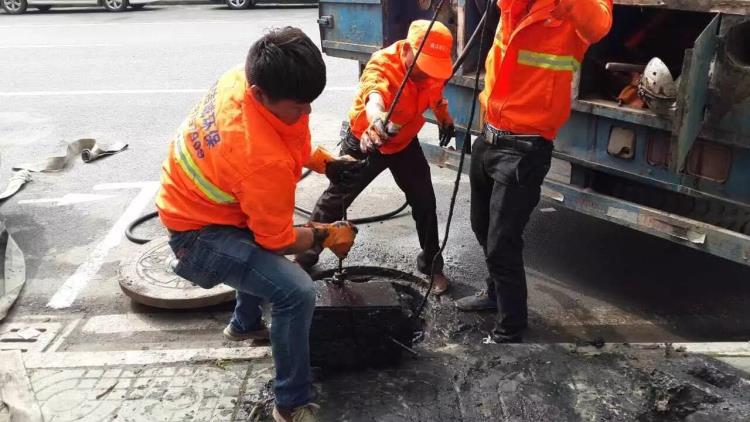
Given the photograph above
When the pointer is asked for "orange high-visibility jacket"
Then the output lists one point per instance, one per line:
(530, 68)
(234, 163)
(383, 74)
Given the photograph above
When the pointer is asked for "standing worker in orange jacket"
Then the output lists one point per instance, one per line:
(395, 145)
(227, 198)
(538, 48)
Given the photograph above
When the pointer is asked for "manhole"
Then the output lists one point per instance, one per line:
(364, 273)
(367, 320)
(148, 278)
(28, 336)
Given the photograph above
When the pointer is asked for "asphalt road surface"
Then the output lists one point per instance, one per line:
(133, 76)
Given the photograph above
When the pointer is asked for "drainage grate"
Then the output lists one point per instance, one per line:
(28, 336)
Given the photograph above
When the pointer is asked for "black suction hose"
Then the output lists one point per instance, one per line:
(137, 222)
(364, 220)
(467, 140)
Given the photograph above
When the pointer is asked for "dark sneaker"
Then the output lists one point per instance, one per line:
(308, 258)
(478, 302)
(260, 334)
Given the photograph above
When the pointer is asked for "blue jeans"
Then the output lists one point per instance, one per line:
(229, 255)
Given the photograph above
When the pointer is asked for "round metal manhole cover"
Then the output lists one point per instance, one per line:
(148, 278)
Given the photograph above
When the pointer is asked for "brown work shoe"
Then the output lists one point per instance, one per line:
(260, 334)
(306, 413)
(441, 284)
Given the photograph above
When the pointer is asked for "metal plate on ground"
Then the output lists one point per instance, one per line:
(148, 278)
(365, 321)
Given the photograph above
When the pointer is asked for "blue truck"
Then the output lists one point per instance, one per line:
(680, 172)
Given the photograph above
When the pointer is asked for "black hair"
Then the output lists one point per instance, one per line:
(286, 64)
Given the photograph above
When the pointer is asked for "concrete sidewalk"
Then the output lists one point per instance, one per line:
(527, 382)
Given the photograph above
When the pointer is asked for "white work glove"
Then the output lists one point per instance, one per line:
(377, 134)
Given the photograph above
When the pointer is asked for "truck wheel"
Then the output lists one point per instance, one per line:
(115, 5)
(15, 7)
(240, 4)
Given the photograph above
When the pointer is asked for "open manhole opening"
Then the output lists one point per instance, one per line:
(366, 321)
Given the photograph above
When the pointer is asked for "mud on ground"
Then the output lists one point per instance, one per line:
(457, 377)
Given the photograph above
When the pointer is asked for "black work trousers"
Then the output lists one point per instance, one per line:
(412, 175)
(505, 187)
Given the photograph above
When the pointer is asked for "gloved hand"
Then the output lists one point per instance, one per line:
(339, 236)
(445, 133)
(378, 133)
(343, 170)
(319, 160)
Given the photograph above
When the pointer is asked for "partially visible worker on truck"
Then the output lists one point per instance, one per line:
(227, 198)
(394, 145)
(537, 51)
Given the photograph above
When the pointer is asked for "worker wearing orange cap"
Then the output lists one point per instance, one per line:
(538, 48)
(394, 145)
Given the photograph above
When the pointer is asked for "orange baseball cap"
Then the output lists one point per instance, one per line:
(435, 58)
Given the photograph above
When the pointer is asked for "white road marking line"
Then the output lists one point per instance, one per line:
(736, 354)
(740, 349)
(140, 357)
(66, 295)
(716, 348)
(68, 199)
(30, 46)
(100, 92)
(170, 23)
(60, 339)
(123, 185)
(131, 92)
(136, 323)
(36, 360)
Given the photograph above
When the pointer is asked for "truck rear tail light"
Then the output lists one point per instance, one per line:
(710, 161)
(621, 143)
